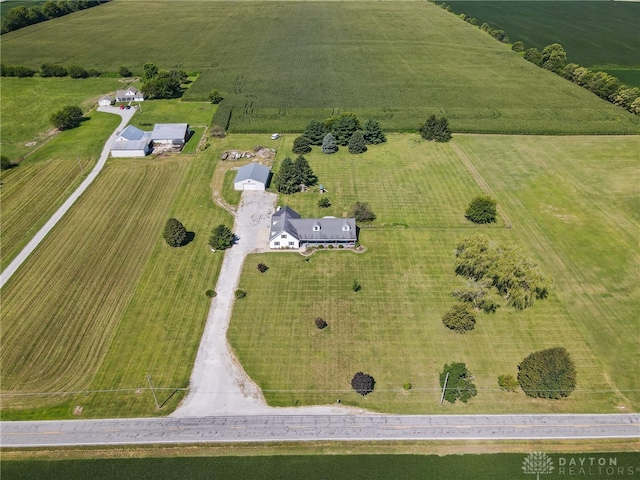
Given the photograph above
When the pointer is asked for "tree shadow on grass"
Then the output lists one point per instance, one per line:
(189, 238)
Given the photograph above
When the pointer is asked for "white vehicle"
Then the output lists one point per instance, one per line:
(275, 136)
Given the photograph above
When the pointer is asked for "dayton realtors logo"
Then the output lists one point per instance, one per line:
(596, 466)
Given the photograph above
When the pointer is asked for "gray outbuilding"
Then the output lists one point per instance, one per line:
(252, 177)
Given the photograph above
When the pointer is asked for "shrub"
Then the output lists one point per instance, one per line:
(77, 72)
(215, 96)
(548, 373)
(508, 383)
(459, 319)
(222, 238)
(301, 145)
(482, 209)
(362, 212)
(356, 286)
(240, 293)
(217, 131)
(459, 385)
(320, 323)
(324, 202)
(363, 383)
(262, 267)
(6, 164)
(52, 70)
(407, 386)
(174, 233)
(210, 293)
(124, 72)
(517, 46)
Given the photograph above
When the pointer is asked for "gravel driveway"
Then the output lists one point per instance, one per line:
(219, 385)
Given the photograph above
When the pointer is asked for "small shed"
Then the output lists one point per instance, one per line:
(252, 177)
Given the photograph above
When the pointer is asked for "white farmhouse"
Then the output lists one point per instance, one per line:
(130, 94)
(252, 177)
(289, 230)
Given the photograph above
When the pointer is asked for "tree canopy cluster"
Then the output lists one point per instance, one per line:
(508, 270)
(436, 128)
(291, 175)
(459, 318)
(459, 385)
(21, 16)
(66, 118)
(221, 238)
(548, 373)
(48, 70)
(342, 130)
(482, 209)
(162, 83)
(174, 233)
(363, 383)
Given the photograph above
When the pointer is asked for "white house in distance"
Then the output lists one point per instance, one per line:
(289, 230)
(252, 177)
(170, 134)
(106, 100)
(132, 142)
(130, 94)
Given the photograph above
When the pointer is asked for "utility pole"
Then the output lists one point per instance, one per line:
(446, 379)
(153, 392)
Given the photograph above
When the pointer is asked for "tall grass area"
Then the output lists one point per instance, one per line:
(392, 328)
(27, 103)
(281, 64)
(111, 302)
(33, 191)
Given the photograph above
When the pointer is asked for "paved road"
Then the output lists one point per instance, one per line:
(269, 428)
(39, 237)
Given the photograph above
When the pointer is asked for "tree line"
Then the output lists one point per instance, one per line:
(21, 16)
(48, 70)
(553, 57)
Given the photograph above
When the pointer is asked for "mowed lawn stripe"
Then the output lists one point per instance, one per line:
(81, 278)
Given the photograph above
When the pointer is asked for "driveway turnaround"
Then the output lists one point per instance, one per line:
(274, 428)
(126, 115)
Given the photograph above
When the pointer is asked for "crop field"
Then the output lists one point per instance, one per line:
(281, 64)
(504, 466)
(392, 328)
(596, 34)
(32, 192)
(27, 103)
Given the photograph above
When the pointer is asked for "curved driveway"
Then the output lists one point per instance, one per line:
(273, 428)
(42, 233)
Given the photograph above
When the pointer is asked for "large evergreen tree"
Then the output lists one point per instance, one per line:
(344, 128)
(174, 233)
(286, 180)
(303, 172)
(221, 238)
(427, 130)
(301, 145)
(548, 373)
(329, 144)
(373, 134)
(357, 143)
(315, 132)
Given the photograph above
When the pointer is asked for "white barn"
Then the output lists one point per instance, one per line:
(252, 177)
(132, 142)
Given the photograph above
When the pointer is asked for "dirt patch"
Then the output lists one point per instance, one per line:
(77, 411)
(264, 155)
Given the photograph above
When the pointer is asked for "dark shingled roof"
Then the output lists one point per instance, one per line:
(312, 229)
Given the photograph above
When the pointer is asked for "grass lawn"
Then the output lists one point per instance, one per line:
(281, 64)
(196, 114)
(392, 328)
(507, 466)
(33, 191)
(27, 103)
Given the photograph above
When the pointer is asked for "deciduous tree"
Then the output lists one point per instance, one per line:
(482, 209)
(459, 385)
(534, 56)
(554, 57)
(362, 212)
(67, 118)
(459, 318)
(363, 383)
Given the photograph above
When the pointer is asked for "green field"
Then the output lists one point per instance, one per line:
(280, 64)
(392, 328)
(27, 103)
(357, 467)
(596, 34)
(32, 192)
